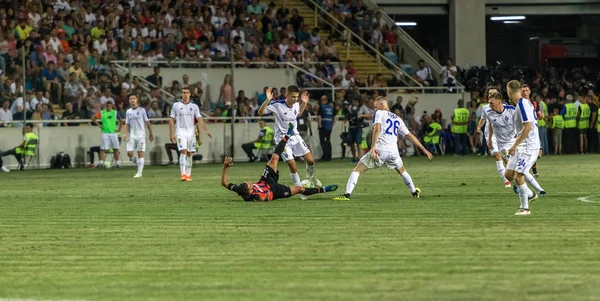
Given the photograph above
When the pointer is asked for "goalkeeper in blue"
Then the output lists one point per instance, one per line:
(386, 128)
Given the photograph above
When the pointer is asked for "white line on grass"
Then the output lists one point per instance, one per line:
(585, 199)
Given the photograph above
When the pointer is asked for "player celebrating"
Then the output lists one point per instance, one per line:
(385, 149)
(183, 115)
(485, 110)
(286, 111)
(268, 188)
(524, 150)
(136, 118)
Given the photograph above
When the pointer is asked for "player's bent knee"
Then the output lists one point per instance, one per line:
(401, 170)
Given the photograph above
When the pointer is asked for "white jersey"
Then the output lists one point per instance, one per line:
(136, 119)
(526, 113)
(285, 114)
(503, 124)
(391, 127)
(185, 115)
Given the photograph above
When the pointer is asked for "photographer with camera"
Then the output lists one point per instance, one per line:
(355, 115)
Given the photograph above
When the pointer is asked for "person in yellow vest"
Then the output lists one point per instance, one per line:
(460, 119)
(542, 112)
(264, 140)
(432, 134)
(583, 124)
(22, 30)
(110, 120)
(557, 124)
(570, 132)
(26, 148)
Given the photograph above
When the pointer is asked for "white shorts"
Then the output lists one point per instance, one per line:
(521, 162)
(187, 142)
(137, 144)
(390, 158)
(294, 147)
(109, 141)
(496, 148)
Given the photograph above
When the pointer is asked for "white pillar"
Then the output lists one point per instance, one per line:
(467, 32)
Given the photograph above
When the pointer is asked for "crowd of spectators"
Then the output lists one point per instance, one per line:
(68, 46)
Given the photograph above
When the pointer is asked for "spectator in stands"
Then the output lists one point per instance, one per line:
(72, 89)
(69, 114)
(155, 78)
(448, 75)
(226, 92)
(424, 75)
(6, 115)
(51, 80)
(38, 99)
(154, 111)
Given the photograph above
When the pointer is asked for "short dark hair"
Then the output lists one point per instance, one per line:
(131, 94)
(496, 95)
(525, 86)
(29, 124)
(293, 89)
(186, 88)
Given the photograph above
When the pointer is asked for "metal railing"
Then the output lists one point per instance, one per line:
(404, 39)
(379, 57)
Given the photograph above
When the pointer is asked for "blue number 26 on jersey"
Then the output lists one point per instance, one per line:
(392, 127)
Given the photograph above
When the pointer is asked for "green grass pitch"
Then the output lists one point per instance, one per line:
(102, 235)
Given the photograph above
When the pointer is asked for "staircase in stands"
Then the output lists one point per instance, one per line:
(363, 62)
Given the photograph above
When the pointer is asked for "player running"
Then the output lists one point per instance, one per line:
(500, 162)
(386, 127)
(183, 114)
(525, 149)
(286, 111)
(268, 188)
(136, 118)
(502, 133)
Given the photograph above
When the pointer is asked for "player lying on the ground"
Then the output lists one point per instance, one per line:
(268, 188)
(386, 128)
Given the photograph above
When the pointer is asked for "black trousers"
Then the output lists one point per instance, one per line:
(11, 152)
(248, 147)
(570, 140)
(325, 140)
(171, 147)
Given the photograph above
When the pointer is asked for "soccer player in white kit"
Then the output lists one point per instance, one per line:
(386, 128)
(286, 111)
(136, 120)
(524, 151)
(183, 115)
(485, 110)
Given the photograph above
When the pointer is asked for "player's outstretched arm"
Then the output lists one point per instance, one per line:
(416, 142)
(263, 107)
(226, 164)
(304, 102)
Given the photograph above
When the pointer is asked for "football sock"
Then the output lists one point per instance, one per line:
(296, 179)
(188, 166)
(352, 182)
(524, 196)
(534, 167)
(533, 182)
(182, 159)
(118, 162)
(310, 170)
(501, 170)
(408, 181)
(281, 146)
(101, 162)
(311, 191)
(140, 165)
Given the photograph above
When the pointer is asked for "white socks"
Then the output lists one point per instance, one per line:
(408, 181)
(501, 170)
(182, 163)
(352, 182)
(533, 182)
(140, 165)
(296, 179)
(310, 170)
(188, 166)
(524, 193)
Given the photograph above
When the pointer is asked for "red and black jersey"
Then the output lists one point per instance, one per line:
(261, 190)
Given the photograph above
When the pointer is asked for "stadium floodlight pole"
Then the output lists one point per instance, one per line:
(23, 93)
(129, 65)
(232, 107)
